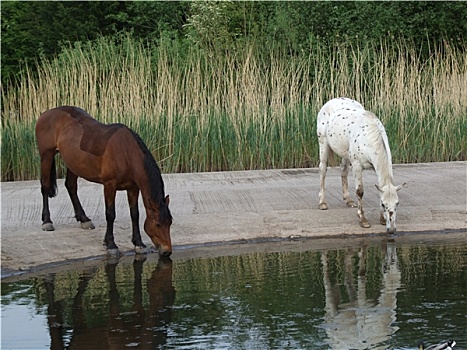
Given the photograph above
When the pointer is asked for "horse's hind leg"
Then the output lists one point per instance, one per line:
(133, 195)
(345, 182)
(71, 184)
(48, 186)
(324, 151)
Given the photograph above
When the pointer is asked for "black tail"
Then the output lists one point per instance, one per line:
(53, 190)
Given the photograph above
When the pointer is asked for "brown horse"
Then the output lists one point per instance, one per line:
(112, 155)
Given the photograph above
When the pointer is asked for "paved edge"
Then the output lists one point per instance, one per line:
(232, 248)
(229, 209)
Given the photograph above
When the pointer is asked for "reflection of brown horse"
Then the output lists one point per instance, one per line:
(55, 315)
(112, 155)
(144, 328)
(161, 297)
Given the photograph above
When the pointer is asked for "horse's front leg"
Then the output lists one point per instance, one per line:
(71, 184)
(345, 182)
(358, 173)
(133, 195)
(109, 196)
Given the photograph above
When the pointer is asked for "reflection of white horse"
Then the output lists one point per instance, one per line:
(360, 324)
(347, 129)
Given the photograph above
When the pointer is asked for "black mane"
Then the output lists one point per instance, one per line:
(156, 184)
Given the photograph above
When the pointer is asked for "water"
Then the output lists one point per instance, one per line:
(363, 294)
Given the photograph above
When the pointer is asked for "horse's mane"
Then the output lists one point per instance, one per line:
(156, 184)
(377, 136)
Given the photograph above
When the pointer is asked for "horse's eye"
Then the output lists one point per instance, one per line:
(382, 205)
(158, 224)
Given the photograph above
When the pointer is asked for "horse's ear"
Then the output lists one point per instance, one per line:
(400, 186)
(379, 189)
(167, 200)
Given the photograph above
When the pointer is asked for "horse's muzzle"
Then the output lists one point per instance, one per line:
(164, 252)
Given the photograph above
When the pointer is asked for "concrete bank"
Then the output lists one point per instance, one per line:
(226, 207)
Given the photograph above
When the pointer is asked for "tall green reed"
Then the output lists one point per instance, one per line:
(253, 107)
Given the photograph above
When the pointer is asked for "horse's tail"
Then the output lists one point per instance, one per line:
(53, 189)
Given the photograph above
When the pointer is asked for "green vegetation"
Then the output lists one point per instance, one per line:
(253, 107)
(235, 85)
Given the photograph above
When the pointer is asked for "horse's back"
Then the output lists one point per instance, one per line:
(351, 131)
(86, 145)
(335, 120)
(335, 105)
(51, 122)
(57, 114)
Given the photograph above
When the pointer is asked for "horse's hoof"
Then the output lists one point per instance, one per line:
(351, 204)
(141, 250)
(365, 224)
(113, 252)
(323, 206)
(88, 225)
(48, 227)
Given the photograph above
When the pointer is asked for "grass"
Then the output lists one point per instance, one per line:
(252, 108)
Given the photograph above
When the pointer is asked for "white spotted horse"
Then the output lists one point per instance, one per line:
(359, 138)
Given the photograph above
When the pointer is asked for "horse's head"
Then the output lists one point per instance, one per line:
(389, 202)
(157, 226)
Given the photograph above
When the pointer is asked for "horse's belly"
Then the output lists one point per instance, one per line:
(85, 166)
(357, 154)
(339, 147)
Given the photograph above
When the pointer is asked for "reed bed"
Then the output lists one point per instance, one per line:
(253, 107)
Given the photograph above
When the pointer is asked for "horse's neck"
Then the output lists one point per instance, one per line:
(142, 180)
(380, 153)
(382, 164)
(143, 184)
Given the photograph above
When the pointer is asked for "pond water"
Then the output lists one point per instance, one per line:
(365, 294)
